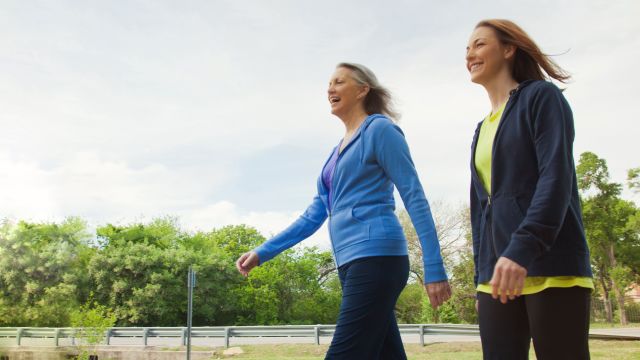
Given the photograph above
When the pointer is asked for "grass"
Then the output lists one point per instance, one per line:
(600, 350)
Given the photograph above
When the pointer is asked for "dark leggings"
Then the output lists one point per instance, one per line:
(557, 319)
(366, 327)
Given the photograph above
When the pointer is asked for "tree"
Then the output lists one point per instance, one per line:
(42, 271)
(609, 228)
(633, 179)
(141, 274)
(454, 232)
(451, 224)
(299, 286)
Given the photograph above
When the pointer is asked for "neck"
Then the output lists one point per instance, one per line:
(352, 120)
(498, 90)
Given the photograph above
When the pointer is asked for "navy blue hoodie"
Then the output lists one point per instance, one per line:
(533, 215)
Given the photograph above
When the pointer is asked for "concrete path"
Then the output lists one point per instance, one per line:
(630, 333)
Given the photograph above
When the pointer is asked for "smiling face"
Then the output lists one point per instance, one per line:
(345, 94)
(486, 56)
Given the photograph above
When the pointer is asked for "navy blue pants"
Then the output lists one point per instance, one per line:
(366, 327)
(557, 319)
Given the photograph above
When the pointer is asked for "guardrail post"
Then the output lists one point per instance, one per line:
(108, 337)
(316, 332)
(145, 334)
(183, 337)
(57, 337)
(422, 335)
(226, 337)
(19, 335)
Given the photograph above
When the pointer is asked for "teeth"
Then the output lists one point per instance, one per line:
(474, 66)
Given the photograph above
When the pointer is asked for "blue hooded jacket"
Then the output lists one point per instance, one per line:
(362, 221)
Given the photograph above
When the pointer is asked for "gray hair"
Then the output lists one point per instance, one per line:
(378, 100)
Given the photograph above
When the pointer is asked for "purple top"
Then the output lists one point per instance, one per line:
(327, 172)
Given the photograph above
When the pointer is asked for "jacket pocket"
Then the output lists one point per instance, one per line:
(348, 230)
(506, 217)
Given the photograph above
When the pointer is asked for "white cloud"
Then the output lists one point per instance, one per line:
(216, 112)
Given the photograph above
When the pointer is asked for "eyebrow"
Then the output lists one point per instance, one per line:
(476, 41)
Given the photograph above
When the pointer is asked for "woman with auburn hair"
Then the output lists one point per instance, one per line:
(355, 191)
(532, 268)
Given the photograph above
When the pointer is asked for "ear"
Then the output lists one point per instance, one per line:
(509, 51)
(364, 91)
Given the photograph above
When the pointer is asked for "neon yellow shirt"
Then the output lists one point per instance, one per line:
(482, 159)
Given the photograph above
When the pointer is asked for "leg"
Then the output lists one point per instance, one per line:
(504, 328)
(559, 319)
(370, 288)
(392, 349)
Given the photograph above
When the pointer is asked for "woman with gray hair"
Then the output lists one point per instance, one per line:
(355, 192)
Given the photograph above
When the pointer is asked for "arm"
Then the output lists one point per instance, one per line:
(392, 153)
(552, 133)
(307, 224)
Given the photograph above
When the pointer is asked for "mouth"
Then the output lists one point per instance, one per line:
(474, 66)
(334, 100)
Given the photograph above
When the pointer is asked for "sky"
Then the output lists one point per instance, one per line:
(216, 112)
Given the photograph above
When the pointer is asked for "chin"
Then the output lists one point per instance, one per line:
(476, 79)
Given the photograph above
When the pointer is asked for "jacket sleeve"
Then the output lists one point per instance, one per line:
(552, 133)
(307, 224)
(392, 153)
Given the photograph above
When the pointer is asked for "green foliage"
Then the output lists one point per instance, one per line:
(409, 305)
(463, 298)
(42, 272)
(454, 231)
(138, 272)
(611, 226)
(162, 233)
(633, 179)
(93, 320)
(297, 287)
(142, 277)
(633, 311)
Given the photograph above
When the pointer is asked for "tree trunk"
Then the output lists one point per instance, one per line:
(608, 311)
(616, 291)
(620, 297)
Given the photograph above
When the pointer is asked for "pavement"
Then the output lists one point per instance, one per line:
(629, 333)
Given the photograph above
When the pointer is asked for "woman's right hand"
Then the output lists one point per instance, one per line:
(246, 262)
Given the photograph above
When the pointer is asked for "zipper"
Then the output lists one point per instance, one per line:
(506, 110)
(333, 186)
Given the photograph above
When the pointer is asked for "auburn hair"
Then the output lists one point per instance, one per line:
(529, 62)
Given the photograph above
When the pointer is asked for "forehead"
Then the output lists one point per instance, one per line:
(483, 32)
(341, 72)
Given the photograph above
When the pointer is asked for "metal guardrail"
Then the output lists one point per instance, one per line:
(228, 332)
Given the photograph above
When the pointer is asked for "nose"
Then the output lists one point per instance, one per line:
(470, 54)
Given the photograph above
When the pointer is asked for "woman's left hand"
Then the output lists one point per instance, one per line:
(438, 292)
